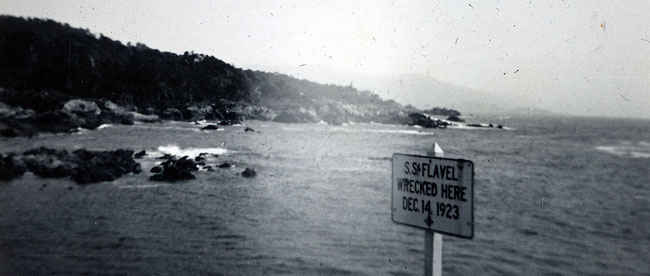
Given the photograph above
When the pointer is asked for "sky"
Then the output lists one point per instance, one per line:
(575, 57)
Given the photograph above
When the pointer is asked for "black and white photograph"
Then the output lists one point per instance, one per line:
(291, 137)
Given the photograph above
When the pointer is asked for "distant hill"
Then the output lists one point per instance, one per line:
(40, 55)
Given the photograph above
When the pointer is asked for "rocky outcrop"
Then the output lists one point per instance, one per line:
(103, 165)
(11, 167)
(82, 108)
(172, 114)
(426, 121)
(145, 118)
(210, 127)
(139, 154)
(173, 170)
(454, 118)
(248, 173)
(82, 166)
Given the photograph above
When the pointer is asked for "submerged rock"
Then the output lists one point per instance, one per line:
(225, 165)
(248, 129)
(248, 172)
(210, 127)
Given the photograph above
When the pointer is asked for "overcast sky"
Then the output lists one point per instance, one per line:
(579, 57)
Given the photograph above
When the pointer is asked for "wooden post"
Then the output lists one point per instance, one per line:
(432, 240)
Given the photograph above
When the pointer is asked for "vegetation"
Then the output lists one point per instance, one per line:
(44, 63)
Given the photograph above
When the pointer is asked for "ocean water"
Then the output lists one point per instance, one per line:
(552, 196)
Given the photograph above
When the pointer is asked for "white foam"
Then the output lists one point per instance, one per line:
(635, 154)
(80, 130)
(628, 149)
(102, 126)
(191, 152)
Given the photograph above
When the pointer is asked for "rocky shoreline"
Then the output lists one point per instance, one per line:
(86, 167)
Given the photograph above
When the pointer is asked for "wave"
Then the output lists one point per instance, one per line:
(191, 152)
(104, 126)
(627, 149)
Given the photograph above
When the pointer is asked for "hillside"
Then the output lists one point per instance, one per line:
(44, 64)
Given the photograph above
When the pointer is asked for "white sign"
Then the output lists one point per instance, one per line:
(434, 193)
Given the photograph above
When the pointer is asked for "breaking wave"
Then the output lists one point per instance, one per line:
(191, 152)
(628, 149)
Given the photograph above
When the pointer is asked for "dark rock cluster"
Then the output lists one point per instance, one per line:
(60, 115)
(82, 166)
(426, 121)
(248, 172)
(174, 169)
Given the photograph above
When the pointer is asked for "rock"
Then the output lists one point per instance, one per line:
(156, 169)
(10, 167)
(208, 168)
(97, 166)
(113, 107)
(424, 121)
(248, 172)
(139, 154)
(113, 113)
(196, 112)
(166, 156)
(229, 122)
(210, 127)
(230, 118)
(81, 108)
(201, 157)
(247, 129)
(46, 162)
(6, 110)
(176, 169)
(8, 132)
(500, 126)
(145, 118)
(172, 114)
(225, 165)
(150, 111)
(455, 118)
(82, 166)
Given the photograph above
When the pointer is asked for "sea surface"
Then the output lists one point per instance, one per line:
(553, 196)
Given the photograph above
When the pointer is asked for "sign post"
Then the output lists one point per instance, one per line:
(433, 240)
(436, 194)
